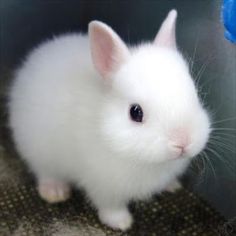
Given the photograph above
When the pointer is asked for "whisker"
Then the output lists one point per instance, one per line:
(200, 73)
(203, 162)
(201, 167)
(215, 111)
(208, 160)
(223, 139)
(226, 139)
(221, 133)
(220, 158)
(224, 120)
(194, 55)
(227, 129)
(198, 166)
(202, 70)
(222, 146)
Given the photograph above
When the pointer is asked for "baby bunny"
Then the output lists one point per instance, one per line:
(121, 123)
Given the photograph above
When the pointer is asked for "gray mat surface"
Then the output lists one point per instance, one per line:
(22, 212)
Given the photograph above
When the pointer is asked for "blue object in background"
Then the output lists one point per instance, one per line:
(229, 19)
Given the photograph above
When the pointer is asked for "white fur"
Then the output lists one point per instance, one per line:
(70, 125)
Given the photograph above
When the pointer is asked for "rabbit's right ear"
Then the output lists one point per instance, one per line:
(166, 34)
(108, 51)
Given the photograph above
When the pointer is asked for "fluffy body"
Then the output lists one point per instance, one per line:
(70, 125)
(56, 116)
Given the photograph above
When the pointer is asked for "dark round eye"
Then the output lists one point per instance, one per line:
(136, 113)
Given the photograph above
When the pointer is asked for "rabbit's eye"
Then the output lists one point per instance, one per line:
(136, 113)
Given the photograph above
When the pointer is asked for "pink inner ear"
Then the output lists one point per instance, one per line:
(166, 35)
(103, 52)
(108, 50)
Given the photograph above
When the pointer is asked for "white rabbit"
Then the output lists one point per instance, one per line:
(121, 123)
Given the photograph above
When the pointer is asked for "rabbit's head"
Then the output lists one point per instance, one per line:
(151, 108)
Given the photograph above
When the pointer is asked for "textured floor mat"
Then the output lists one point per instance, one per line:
(22, 212)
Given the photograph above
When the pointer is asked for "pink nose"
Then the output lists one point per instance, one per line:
(180, 140)
(179, 148)
(180, 143)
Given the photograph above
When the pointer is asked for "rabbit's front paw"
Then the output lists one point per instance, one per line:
(119, 219)
(53, 191)
(174, 186)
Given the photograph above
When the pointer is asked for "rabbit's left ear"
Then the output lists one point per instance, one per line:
(166, 34)
(109, 52)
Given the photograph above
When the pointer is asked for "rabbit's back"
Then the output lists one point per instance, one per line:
(43, 96)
